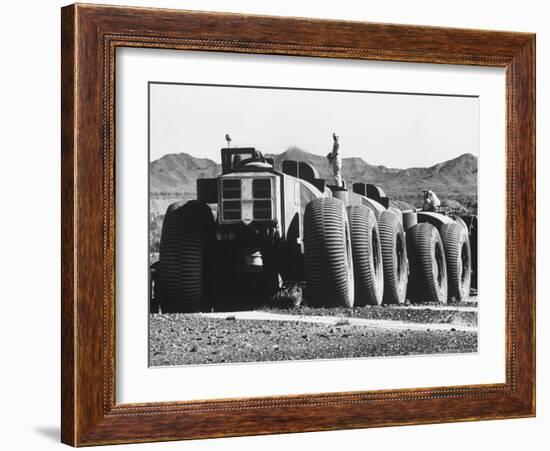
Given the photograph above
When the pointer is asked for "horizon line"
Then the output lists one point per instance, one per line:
(317, 155)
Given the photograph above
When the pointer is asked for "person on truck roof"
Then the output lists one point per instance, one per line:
(335, 159)
(431, 201)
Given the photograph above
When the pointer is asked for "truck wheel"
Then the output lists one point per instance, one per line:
(458, 259)
(367, 256)
(328, 255)
(428, 268)
(394, 257)
(471, 224)
(154, 294)
(186, 244)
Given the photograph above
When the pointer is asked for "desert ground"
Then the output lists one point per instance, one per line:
(304, 333)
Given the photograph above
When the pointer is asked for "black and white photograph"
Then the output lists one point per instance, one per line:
(247, 225)
(288, 223)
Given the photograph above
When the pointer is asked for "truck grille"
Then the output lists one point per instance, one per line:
(261, 189)
(232, 210)
(262, 209)
(231, 189)
(247, 199)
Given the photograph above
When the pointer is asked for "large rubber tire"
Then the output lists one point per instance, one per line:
(154, 294)
(472, 225)
(394, 258)
(458, 258)
(328, 254)
(186, 246)
(428, 268)
(367, 256)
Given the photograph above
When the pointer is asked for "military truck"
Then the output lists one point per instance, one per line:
(254, 226)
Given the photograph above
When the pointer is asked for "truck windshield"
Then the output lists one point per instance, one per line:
(238, 158)
(234, 158)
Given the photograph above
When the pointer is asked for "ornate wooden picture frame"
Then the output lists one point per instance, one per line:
(90, 37)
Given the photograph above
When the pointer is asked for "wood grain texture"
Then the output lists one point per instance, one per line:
(90, 36)
(68, 147)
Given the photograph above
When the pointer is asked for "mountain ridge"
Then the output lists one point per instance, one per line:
(454, 179)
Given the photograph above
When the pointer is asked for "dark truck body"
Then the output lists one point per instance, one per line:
(256, 239)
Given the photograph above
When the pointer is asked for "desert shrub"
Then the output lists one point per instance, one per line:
(289, 296)
(155, 229)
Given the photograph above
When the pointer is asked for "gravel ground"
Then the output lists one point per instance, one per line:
(463, 318)
(180, 339)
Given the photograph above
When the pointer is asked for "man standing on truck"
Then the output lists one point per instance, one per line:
(335, 159)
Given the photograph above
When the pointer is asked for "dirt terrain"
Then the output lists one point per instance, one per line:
(420, 314)
(308, 333)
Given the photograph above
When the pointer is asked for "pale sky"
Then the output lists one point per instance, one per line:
(394, 130)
